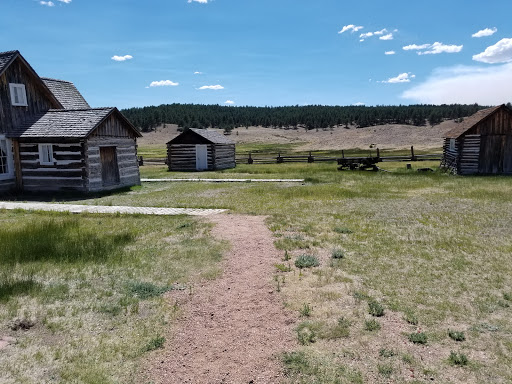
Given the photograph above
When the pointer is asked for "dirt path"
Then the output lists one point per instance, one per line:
(233, 328)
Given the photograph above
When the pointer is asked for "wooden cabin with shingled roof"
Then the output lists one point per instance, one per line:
(200, 150)
(52, 140)
(480, 144)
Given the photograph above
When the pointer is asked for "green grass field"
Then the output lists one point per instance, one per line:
(431, 250)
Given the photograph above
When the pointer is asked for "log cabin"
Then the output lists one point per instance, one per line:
(52, 140)
(200, 150)
(480, 144)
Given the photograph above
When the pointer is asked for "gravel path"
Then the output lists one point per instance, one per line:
(233, 328)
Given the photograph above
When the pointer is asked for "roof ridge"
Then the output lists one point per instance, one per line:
(9, 52)
(59, 80)
(81, 109)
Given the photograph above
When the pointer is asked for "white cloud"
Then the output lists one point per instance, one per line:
(213, 87)
(415, 47)
(464, 84)
(229, 102)
(358, 104)
(501, 52)
(198, 73)
(163, 83)
(381, 32)
(47, 3)
(389, 52)
(65, 1)
(383, 35)
(350, 27)
(438, 48)
(433, 49)
(122, 58)
(485, 32)
(198, 1)
(366, 35)
(401, 78)
(389, 36)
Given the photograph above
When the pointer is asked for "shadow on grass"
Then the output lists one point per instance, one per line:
(50, 197)
(66, 241)
(11, 288)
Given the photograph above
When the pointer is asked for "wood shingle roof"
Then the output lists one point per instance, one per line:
(66, 93)
(458, 129)
(212, 137)
(6, 59)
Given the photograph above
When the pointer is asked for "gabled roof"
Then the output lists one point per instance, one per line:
(67, 123)
(458, 129)
(66, 93)
(211, 136)
(7, 58)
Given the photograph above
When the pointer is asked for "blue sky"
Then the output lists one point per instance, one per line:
(128, 53)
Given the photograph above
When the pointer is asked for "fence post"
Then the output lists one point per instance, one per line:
(141, 161)
(250, 160)
(378, 153)
(342, 154)
(279, 158)
(311, 159)
(413, 158)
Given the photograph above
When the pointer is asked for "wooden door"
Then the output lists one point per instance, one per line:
(491, 154)
(201, 157)
(109, 167)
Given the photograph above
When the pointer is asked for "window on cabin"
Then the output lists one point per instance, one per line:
(6, 167)
(46, 154)
(18, 95)
(452, 144)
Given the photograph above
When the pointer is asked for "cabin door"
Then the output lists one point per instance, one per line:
(109, 167)
(201, 157)
(491, 154)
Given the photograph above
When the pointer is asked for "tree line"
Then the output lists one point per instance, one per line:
(308, 117)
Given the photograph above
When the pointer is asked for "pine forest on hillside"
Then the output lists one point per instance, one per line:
(309, 117)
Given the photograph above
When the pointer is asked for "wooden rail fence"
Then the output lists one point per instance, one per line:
(348, 162)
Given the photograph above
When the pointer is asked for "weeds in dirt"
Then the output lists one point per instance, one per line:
(371, 325)
(306, 310)
(375, 308)
(458, 359)
(385, 370)
(145, 290)
(456, 335)
(283, 267)
(306, 333)
(386, 352)
(155, 343)
(410, 317)
(343, 230)
(418, 338)
(337, 253)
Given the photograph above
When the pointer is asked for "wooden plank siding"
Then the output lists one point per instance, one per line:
(37, 97)
(224, 155)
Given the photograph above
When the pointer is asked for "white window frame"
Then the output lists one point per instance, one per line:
(21, 93)
(10, 161)
(452, 144)
(43, 150)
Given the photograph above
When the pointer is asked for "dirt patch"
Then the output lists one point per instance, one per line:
(233, 328)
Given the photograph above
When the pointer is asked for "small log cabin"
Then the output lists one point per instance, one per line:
(200, 150)
(52, 140)
(481, 144)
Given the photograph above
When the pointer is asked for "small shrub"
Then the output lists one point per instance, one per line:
(408, 359)
(306, 333)
(295, 361)
(507, 296)
(411, 318)
(458, 359)
(375, 308)
(456, 335)
(371, 325)
(155, 343)
(343, 230)
(387, 352)
(306, 261)
(359, 296)
(418, 338)
(306, 310)
(286, 256)
(341, 329)
(385, 370)
(337, 253)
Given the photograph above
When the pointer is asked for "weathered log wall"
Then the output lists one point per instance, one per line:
(224, 155)
(126, 150)
(67, 172)
(182, 157)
